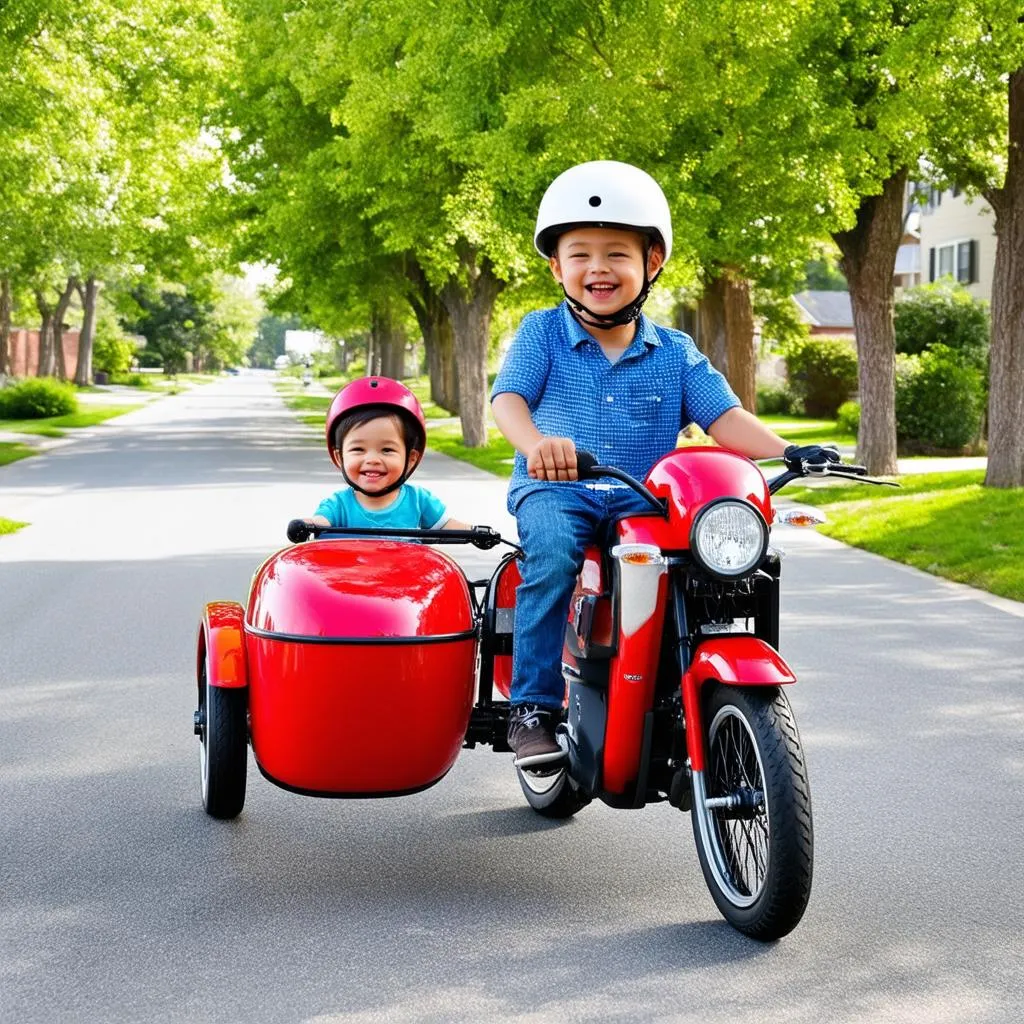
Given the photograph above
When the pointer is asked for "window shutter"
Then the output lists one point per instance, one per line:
(931, 264)
(972, 277)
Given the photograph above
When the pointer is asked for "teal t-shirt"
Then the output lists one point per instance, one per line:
(415, 508)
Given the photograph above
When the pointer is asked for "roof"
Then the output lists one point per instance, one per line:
(825, 309)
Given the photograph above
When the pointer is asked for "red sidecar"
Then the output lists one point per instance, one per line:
(339, 637)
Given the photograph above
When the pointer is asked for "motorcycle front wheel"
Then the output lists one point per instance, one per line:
(751, 811)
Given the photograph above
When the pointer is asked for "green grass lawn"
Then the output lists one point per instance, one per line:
(11, 451)
(313, 408)
(54, 426)
(944, 523)
(496, 456)
(807, 431)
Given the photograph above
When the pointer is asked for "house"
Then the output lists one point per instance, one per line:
(907, 272)
(24, 351)
(825, 312)
(958, 240)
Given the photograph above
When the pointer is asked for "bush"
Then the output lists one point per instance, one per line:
(939, 401)
(944, 313)
(848, 418)
(112, 350)
(36, 398)
(822, 372)
(112, 355)
(150, 358)
(775, 400)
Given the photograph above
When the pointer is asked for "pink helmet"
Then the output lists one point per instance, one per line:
(390, 395)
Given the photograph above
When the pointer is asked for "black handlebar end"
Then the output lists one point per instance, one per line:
(585, 463)
(485, 538)
(299, 530)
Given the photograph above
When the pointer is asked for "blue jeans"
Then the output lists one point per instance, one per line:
(556, 524)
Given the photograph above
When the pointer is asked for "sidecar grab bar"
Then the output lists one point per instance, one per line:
(479, 536)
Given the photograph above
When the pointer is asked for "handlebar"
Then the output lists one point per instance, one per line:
(587, 468)
(844, 470)
(482, 537)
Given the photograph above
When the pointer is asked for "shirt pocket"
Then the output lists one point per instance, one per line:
(644, 410)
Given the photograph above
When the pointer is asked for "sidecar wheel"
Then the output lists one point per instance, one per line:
(757, 856)
(552, 796)
(222, 724)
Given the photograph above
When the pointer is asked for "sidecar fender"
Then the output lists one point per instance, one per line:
(737, 661)
(221, 646)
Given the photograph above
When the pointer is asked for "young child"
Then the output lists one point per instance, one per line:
(376, 435)
(596, 374)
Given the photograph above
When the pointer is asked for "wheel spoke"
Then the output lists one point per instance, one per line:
(735, 770)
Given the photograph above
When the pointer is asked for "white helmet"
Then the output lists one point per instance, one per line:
(603, 193)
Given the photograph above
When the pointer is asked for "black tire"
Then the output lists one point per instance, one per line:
(223, 736)
(757, 858)
(552, 796)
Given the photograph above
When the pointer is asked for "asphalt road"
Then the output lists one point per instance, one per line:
(120, 900)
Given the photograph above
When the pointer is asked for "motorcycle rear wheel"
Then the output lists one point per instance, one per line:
(554, 795)
(757, 855)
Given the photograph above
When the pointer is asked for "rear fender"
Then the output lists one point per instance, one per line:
(736, 661)
(221, 645)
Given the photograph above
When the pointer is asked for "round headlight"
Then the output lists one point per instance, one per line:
(729, 538)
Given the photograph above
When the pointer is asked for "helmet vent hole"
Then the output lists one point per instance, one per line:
(594, 200)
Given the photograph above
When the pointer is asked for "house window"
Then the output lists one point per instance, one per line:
(958, 260)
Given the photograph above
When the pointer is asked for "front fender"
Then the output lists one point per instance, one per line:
(221, 646)
(737, 661)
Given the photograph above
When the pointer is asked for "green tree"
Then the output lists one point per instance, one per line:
(102, 158)
(269, 343)
(978, 143)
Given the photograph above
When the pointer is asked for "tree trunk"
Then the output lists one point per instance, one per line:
(47, 359)
(5, 326)
(372, 366)
(60, 311)
(88, 294)
(741, 355)
(1006, 357)
(469, 298)
(438, 340)
(711, 337)
(389, 343)
(868, 261)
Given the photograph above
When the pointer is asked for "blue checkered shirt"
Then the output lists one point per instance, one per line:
(629, 413)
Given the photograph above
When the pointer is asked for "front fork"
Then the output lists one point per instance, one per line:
(732, 659)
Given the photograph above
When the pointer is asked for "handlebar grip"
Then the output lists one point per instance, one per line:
(299, 530)
(485, 538)
(585, 463)
(847, 469)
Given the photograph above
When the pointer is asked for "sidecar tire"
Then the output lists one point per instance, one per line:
(759, 875)
(558, 798)
(222, 752)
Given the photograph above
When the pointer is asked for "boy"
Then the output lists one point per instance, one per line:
(376, 435)
(594, 373)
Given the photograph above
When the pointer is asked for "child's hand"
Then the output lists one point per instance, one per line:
(552, 458)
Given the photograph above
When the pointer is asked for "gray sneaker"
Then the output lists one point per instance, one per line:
(531, 735)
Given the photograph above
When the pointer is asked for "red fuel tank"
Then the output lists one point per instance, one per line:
(362, 659)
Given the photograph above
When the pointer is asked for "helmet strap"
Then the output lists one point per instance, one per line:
(620, 318)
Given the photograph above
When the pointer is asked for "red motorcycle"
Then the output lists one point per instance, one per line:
(362, 664)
